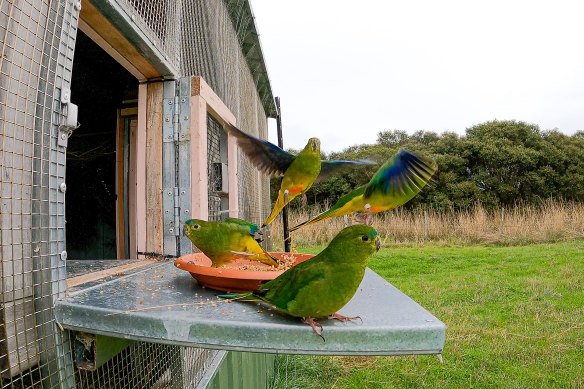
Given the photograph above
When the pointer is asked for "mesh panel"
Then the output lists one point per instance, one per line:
(148, 365)
(212, 50)
(37, 52)
(157, 18)
(216, 146)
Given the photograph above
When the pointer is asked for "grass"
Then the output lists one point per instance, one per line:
(514, 317)
(549, 221)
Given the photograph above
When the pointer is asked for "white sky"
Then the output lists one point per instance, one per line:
(347, 70)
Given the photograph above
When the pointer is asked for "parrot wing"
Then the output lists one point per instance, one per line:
(335, 210)
(284, 289)
(267, 157)
(402, 176)
(328, 168)
(253, 228)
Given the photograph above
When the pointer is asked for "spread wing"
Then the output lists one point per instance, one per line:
(267, 157)
(402, 176)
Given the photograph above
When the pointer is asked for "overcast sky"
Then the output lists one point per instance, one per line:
(347, 70)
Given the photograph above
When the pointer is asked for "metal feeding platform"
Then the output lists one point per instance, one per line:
(163, 304)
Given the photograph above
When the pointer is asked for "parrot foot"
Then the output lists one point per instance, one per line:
(286, 196)
(304, 200)
(344, 318)
(310, 321)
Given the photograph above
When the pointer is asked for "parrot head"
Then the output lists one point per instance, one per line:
(358, 241)
(193, 227)
(313, 145)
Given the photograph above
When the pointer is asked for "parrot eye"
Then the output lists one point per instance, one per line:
(364, 238)
(196, 226)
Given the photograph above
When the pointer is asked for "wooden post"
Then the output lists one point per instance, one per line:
(286, 229)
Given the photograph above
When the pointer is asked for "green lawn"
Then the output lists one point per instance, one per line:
(514, 317)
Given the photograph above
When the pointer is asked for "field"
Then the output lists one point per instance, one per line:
(514, 317)
(549, 221)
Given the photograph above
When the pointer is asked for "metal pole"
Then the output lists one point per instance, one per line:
(285, 210)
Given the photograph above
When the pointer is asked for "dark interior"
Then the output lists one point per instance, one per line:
(99, 87)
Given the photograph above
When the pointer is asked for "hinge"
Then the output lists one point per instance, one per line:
(67, 119)
(176, 212)
(175, 119)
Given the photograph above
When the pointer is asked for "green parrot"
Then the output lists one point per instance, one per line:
(299, 172)
(226, 241)
(401, 178)
(320, 286)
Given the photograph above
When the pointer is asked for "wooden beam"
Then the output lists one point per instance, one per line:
(138, 241)
(154, 213)
(92, 21)
(215, 105)
(199, 179)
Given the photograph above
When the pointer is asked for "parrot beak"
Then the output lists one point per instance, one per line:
(314, 144)
(377, 244)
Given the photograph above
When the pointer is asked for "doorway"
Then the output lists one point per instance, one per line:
(99, 156)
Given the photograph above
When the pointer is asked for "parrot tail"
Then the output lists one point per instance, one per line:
(280, 203)
(239, 296)
(261, 257)
(316, 219)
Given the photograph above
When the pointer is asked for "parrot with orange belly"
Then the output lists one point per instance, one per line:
(299, 172)
(394, 184)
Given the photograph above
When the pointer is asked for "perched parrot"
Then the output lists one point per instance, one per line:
(300, 171)
(394, 184)
(320, 286)
(225, 241)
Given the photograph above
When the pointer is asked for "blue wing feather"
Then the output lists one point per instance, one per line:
(266, 156)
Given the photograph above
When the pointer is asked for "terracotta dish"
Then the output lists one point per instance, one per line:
(230, 279)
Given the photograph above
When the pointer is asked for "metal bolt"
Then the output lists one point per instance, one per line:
(186, 211)
(169, 193)
(63, 187)
(185, 117)
(167, 211)
(183, 100)
(169, 102)
(63, 255)
(167, 119)
(171, 229)
(182, 192)
(133, 17)
(63, 136)
(77, 5)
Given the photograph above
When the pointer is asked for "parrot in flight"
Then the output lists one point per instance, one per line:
(320, 286)
(396, 182)
(222, 242)
(299, 172)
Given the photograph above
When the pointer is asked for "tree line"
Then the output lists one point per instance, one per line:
(497, 163)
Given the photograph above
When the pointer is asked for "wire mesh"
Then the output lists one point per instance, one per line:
(211, 48)
(216, 156)
(158, 19)
(37, 52)
(148, 365)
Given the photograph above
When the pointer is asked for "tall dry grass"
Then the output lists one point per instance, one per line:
(549, 221)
